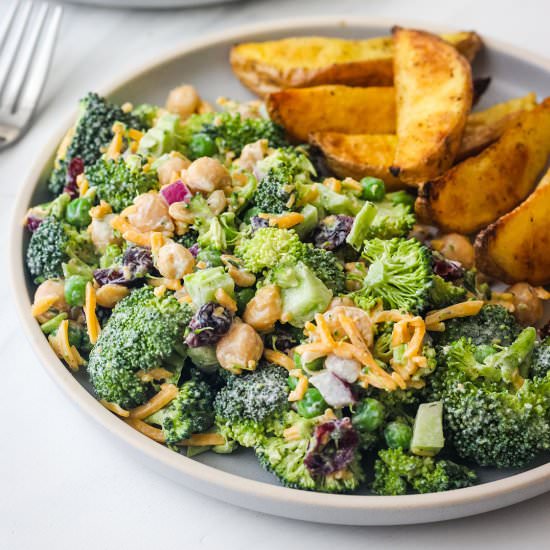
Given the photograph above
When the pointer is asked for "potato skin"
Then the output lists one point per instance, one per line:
(335, 108)
(480, 189)
(434, 92)
(516, 247)
(266, 67)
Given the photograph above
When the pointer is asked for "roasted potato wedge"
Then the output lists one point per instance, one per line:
(480, 189)
(357, 156)
(515, 248)
(433, 86)
(485, 127)
(346, 109)
(266, 67)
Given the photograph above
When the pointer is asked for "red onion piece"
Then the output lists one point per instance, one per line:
(176, 192)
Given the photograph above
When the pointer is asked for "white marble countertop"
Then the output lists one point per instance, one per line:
(63, 484)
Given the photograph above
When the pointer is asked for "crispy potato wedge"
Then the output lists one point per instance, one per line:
(303, 111)
(266, 67)
(360, 155)
(515, 248)
(480, 189)
(485, 127)
(433, 85)
(357, 156)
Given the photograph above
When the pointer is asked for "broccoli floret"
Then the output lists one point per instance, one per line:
(190, 412)
(540, 361)
(492, 416)
(269, 247)
(53, 243)
(445, 293)
(251, 406)
(147, 114)
(229, 132)
(120, 182)
(143, 332)
(217, 233)
(301, 461)
(492, 325)
(326, 267)
(399, 274)
(92, 132)
(286, 181)
(395, 472)
(303, 293)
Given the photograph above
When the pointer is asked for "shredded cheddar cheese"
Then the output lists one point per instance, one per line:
(42, 305)
(156, 242)
(150, 431)
(82, 184)
(279, 358)
(463, 309)
(136, 237)
(154, 374)
(167, 393)
(203, 440)
(285, 221)
(115, 147)
(301, 387)
(92, 322)
(101, 210)
(62, 347)
(115, 408)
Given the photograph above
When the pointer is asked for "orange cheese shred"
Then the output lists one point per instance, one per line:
(92, 323)
(203, 440)
(167, 393)
(463, 309)
(279, 358)
(150, 431)
(115, 408)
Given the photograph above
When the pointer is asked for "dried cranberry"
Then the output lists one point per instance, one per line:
(75, 168)
(544, 331)
(283, 339)
(33, 222)
(208, 325)
(333, 447)
(114, 276)
(448, 269)
(195, 249)
(139, 260)
(331, 233)
(257, 223)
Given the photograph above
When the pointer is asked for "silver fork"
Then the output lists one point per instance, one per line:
(27, 38)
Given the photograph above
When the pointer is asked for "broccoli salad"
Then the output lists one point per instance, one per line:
(222, 290)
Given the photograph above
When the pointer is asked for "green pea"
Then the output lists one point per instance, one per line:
(398, 435)
(75, 290)
(369, 415)
(242, 298)
(374, 189)
(202, 145)
(78, 212)
(210, 256)
(312, 404)
(402, 197)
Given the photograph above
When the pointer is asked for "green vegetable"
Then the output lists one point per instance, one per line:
(311, 219)
(112, 256)
(242, 297)
(360, 228)
(52, 244)
(540, 361)
(119, 182)
(398, 435)
(202, 145)
(444, 293)
(78, 212)
(399, 274)
(427, 438)
(369, 415)
(395, 472)
(337, 203)
(52, 325)
(202, 285)
(204, 358)
(210, 256)
(312, 404)
(75, 290)
(373, 189)
(144, 332)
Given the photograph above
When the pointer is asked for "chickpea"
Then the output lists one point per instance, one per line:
(52, 288)
(206, 175)
(150, 213)
(528, 306)
(455, 247)
(241, 348)
(174, 261)
(183, 100)
(265, 309)
(252, 153)
(101, 232)
(171, 166)
(217, 202)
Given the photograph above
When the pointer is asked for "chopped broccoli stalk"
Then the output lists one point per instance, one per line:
(163, 137)
(56, 242)
(120, 182)
(202, 285)
(251, 406)
(399, 274)
(492, 415)
(394, 217)
(92, 132)
(303, 294)
(492, 325)
(190, 412)
(361, 223)
(427, 439)
(147, 114)
(326, 267)
(310, 221)
(144, 332)
(337, 203)
(445, 293)
(286, 181)
(204, 358)
(217, 232)
(395, 472)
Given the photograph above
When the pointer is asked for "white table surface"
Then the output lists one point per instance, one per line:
(63, 484)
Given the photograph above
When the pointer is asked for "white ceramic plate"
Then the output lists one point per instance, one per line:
(149, 4)
(237, 478)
